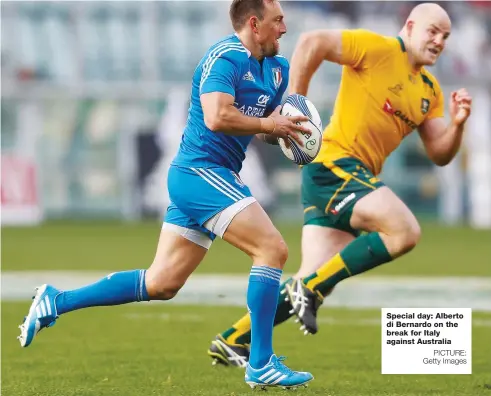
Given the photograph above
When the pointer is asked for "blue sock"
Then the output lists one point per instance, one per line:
(262, 299)
(116, 288)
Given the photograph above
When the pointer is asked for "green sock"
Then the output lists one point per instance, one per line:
(240, 332)
(362, 254)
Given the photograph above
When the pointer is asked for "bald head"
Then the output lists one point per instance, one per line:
(429, 11)
(425, 33)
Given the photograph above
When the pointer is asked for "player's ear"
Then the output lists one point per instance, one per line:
(409, 28)
(253, 21)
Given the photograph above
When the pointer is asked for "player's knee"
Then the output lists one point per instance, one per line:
(162, 290)
(282, 252)
(408, 238)
(274, 251)
(413, 235)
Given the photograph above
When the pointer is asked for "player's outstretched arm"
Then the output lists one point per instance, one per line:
(312, 48)
(441, 141)
(221, 115)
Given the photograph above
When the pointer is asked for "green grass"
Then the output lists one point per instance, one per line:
(109, 351)
(115, 246)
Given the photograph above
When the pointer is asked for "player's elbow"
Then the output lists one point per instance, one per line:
(212, 123)
(216, 120)
(440, 159)
(320, 43)
(310, 42)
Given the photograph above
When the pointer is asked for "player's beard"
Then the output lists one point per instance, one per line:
(271, 50)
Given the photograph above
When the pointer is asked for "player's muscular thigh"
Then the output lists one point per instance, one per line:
(382, 211)
(252, 231)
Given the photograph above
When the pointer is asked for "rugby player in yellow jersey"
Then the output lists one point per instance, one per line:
(385, 94)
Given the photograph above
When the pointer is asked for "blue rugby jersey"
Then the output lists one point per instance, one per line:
(229, 67)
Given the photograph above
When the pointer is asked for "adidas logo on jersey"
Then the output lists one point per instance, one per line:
(248, 76)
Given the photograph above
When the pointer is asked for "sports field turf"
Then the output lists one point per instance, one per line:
(157, 349)
(115, 246)
(160, 349)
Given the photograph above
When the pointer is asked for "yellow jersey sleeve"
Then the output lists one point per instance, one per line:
(438, 109)
(362, 48)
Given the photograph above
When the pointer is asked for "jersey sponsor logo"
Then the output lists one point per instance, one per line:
(251, 111)
(277, 78)
(257, 110)
(263, 100)
(425, 105)
(249, 77)
(396, 89)
(343, 203)
(388, 108)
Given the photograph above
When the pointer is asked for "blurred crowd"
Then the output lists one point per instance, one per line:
(130, 41)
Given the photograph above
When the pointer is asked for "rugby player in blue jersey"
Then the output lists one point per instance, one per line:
(237, 88)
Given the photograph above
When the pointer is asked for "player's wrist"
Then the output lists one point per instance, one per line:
(268, 125)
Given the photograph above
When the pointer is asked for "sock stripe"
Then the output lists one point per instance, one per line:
(273, 271)
(275, 279)
(140, 286)
(269, 273)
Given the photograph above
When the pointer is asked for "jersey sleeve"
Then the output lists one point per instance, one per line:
(220, 73)
(362, 48)
(437, 110)
(281, 91)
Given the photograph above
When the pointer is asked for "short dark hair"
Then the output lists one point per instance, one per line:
(241, 10)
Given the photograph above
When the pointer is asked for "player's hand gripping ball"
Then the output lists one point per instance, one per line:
(297, 105)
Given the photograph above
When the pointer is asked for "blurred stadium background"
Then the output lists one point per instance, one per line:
(94, 100)
(94, 97)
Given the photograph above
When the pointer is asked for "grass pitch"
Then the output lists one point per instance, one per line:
(159, 349)
(119, 246)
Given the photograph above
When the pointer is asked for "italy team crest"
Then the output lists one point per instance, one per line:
(277, 78)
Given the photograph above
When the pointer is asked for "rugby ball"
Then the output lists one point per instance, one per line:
(296, 105)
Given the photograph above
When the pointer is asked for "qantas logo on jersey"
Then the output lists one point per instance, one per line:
(277, 78)
(388, 108)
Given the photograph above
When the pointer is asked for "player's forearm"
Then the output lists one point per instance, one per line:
(231, 121)
(306, 59)
(448, 145)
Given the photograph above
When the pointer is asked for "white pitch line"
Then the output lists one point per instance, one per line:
(360, 292)
(327, 320)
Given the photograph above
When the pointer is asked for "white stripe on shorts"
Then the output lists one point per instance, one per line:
(215, 184)
(223, 183)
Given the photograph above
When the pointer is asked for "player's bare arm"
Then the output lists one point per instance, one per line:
(265, 138)
(312, 48)
(221, 115)
(442, 141)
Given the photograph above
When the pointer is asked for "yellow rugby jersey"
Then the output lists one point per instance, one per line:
(381, 100)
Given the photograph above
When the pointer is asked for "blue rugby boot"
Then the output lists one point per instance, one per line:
(276, 374)
(42, 314)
